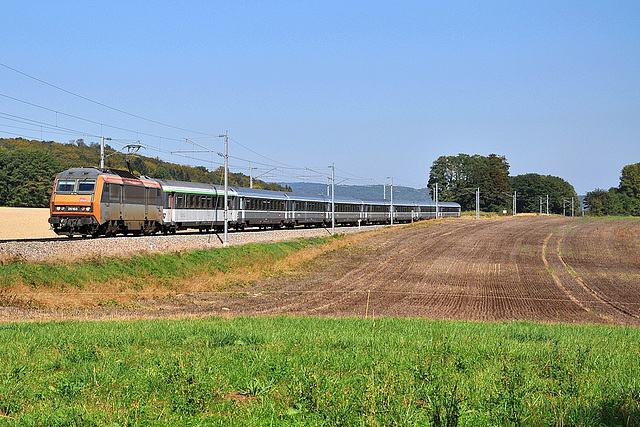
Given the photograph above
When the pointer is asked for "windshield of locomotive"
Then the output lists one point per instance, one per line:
(78, 186)
(65, 185)
(86, 185)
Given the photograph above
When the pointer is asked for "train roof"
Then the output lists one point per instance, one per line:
(169, 186)
(265, 194)
(79, 173)
(451, 204)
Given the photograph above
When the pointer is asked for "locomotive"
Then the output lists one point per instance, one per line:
(95, 202)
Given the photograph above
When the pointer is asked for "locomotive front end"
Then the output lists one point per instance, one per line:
(75, 206)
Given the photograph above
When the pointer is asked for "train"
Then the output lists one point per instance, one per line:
(91, 201)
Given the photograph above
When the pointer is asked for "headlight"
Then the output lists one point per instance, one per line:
(74, 208)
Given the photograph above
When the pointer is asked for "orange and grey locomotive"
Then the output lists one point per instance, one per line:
(91, 201)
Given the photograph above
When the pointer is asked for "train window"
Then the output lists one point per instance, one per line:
(86, 185)
(114, 190)
(66, 185)
(105, 193)
(158, 197)
(198, 202)
(134, 194)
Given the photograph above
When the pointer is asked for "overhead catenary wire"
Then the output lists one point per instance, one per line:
(102, 104)
(85, 119)
(55, 129)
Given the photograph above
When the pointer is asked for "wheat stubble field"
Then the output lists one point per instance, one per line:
(24, 223)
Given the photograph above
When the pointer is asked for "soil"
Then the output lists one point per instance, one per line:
(549, 269)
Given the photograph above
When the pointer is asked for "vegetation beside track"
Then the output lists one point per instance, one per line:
(119, 279)
(310, 371)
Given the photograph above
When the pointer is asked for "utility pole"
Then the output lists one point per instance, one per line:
(478, 203)
(514, 203)
(226, 186)
(251, 176)
(547, 205)
(563, 208)
(391, 210)
(333, 199)
(102, 138)
(571, 207)
(436, 200)
(540, 205)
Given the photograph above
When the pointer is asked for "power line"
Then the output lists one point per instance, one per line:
(258, 154)
(83, 119)
(100, 103)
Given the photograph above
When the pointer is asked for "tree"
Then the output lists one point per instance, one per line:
(601, 202)
(530, 187)
(630, 181)
(624, 200)
(26, 177)
(459, 176)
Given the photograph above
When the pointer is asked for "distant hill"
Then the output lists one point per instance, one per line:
(370, 192)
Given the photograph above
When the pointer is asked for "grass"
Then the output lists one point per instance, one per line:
(217, 268)
(309, 371)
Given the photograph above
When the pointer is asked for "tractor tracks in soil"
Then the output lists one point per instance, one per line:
(579, 283)
(548, 269)
(506, 269)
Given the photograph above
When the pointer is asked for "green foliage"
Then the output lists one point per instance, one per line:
(630, 181)
(530, 187)
(624, 200)
(612, 202)
(26, 176)
(28, 169)
(459, 176)
(309, 371)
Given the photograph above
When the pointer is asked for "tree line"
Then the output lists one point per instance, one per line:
(458, 178)
(621, 200)
(29, 167)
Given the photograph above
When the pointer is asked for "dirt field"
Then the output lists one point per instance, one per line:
(24, 223)
(535, 268)
(544, 269)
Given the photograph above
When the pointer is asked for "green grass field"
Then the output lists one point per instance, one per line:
(171, 272)
(310, 371)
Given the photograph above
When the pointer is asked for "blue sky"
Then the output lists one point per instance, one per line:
(378, 88)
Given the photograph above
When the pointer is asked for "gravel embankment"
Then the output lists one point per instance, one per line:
(76, 248)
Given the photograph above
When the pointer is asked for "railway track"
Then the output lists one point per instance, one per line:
(64, 248)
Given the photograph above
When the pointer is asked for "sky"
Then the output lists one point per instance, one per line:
(378, 89)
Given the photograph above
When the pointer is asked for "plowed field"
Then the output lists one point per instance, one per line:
(536, 268)
(548, 269)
